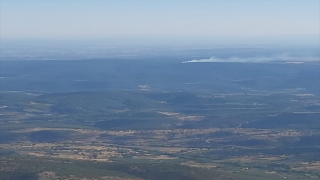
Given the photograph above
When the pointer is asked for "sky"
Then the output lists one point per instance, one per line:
(94, 19)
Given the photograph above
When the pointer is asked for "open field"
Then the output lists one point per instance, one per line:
(230, 126)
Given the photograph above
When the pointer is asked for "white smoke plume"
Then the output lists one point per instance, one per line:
(255, 59)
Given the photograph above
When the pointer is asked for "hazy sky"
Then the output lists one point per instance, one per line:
(59, 19)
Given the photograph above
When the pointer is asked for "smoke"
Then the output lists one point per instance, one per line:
(256, 59)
